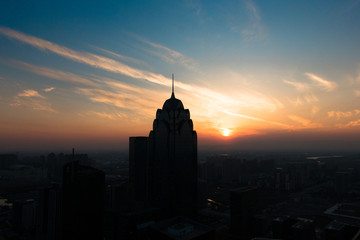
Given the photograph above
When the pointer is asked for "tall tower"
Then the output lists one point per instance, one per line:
(172, 162)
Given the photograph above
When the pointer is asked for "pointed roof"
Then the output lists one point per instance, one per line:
(173, 103)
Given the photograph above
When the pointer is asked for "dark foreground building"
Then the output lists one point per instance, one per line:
(83, 202)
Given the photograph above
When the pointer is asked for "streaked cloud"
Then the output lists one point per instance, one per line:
(249, 99)
(341, 114)
(321, 82)
(52, 73)
(296, 101)
(93, 60)
(48, 89)
(37, 104)
(30, 93)
(353, 123)
(125, 101)
(298, 85)
(119, 56)
(255, 30)
(315, 109)
(311, 98)
(306, 123)
(103, 115)
(168, 55)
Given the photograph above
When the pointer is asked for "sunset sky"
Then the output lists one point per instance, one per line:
(254, 74)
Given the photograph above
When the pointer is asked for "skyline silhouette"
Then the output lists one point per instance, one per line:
(252, 72)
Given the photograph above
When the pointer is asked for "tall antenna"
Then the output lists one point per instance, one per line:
(173, 83)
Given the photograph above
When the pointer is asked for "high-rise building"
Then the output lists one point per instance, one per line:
(172, 160)
(138, 156)
(82, 202)
(243, 208)
(49, 213)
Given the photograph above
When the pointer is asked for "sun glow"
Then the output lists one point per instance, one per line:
(225, 132)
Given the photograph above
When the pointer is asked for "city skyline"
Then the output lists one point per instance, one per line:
(255, 75)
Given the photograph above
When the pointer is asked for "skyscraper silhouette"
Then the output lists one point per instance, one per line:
(83, 202)
(171, 167)
(173, 160)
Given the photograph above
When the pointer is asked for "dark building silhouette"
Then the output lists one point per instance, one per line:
(181, 228)
(83, 202)
(49, 213)
(304, 229)
(282, 227)
(171, 169)
(138, 155)
(173, 160)
(337, 230)
(7, 159)
(243, 208)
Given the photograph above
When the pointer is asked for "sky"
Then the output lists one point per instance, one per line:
(254, 74)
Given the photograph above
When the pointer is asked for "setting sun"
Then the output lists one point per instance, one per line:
(225, 132)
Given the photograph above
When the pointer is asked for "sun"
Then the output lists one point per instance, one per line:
(225, 132)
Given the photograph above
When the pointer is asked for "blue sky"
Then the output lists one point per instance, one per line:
(91, 73)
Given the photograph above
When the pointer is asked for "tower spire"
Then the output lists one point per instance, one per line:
(172, 89)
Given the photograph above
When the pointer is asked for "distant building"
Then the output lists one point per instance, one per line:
(304, 229)
(138, 165)
(55, 163)
(282, 227)
(7, 159)
(49, 213)
(342, 182)
(243, 208)
(181, 228)
(83, 202)
(171, 161)
(338, 230)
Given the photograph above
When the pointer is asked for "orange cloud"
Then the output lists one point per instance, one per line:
(321, 82)
(48, 89)
(30, 93)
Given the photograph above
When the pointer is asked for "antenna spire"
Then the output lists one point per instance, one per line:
(172, 89)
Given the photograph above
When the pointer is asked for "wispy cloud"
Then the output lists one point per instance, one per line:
(119, 56)
(168, 55)
(48, 89)
(315, 109)
(52, 73)
(341, 114)
(353, 123)
(125, 101)
(30, 93)
(126, 97)
(298, 85)
(357, 93)
(321, 82)
(37, 104)
(311, 98)
(103, 115)
(197, 7)
(306, 123)
(31, 99)
(93, 60)
(255, 31)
